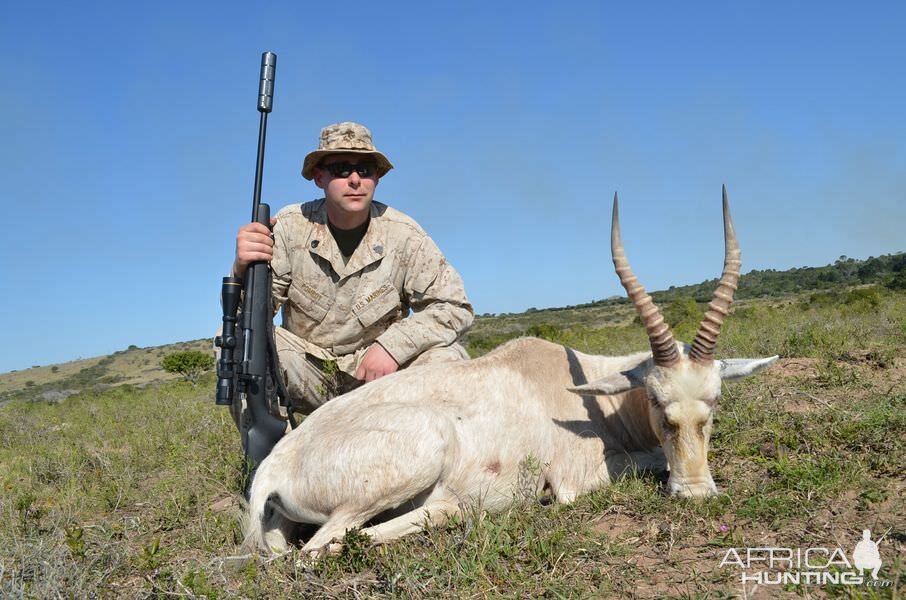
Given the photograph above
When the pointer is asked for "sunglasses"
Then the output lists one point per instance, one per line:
(345, 169)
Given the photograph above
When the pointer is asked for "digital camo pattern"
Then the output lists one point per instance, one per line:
(338, 308)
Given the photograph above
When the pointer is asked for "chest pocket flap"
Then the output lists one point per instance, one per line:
(309, 300)
(377, 304)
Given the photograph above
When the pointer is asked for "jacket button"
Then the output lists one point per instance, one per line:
(314, 243)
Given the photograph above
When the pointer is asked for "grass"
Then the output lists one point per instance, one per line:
(127, 491)
(111, 485)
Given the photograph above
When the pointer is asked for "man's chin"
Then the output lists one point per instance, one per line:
(356, 203)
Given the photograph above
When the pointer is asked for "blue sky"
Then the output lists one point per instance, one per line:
(129, 133)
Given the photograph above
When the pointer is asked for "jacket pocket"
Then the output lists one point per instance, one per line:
(309, 301)
(377, 304)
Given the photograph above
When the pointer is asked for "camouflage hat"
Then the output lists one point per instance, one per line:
(344, 138)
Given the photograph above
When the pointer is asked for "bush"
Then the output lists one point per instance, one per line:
(545, 331)
(863, 299)
(820, 300)
(897, 282)
(190, 364)
(684, 316)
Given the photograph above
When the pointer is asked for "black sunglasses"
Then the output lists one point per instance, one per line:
(345, 169)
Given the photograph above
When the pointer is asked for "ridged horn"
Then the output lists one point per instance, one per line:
(705, 341)
(663, 346)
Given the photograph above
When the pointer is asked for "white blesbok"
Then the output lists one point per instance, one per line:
(419, 445)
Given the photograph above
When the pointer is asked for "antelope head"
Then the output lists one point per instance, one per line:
(682, 381)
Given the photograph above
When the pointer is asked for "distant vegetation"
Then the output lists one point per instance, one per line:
(132, 366)
(888, 270)
(856, 284)
(191, 364)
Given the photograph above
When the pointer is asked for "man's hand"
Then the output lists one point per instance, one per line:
(253, 243)
(376, 363)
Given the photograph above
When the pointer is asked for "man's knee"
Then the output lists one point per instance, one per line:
(310, 381)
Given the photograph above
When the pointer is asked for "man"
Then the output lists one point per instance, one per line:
(346, 272)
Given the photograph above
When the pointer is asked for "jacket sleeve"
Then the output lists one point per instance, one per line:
(441, 311)
(280, 266)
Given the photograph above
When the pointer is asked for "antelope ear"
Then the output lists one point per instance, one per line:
(737, 368)
(612, 384)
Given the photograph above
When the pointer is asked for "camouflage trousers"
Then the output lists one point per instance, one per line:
(311, 382)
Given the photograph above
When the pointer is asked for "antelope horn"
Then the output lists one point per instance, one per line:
(663, 346)
(702, 350)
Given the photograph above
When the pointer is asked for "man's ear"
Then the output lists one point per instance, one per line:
(737, 368)
(318, 176)
(612, 384)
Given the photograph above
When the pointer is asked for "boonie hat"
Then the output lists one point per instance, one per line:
(344, 138)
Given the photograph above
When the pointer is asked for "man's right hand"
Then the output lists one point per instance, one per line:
(253, 243)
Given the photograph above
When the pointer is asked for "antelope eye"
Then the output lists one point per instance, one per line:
(668, 426)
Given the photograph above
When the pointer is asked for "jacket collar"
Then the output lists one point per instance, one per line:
(370, 250)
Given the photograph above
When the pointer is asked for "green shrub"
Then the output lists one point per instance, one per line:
(897, 282)
(545, 331)
(190, 364)
(821, 300)
(477, 345)
(684, 316)
(863, 299)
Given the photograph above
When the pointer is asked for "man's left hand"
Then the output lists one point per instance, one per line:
(376, 363)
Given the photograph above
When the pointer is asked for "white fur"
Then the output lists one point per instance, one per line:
(418, 445)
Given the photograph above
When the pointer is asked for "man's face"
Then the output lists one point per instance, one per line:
(347, 192)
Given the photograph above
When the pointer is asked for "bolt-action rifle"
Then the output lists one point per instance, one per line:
(248, 355)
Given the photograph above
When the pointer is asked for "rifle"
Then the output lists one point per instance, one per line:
(256, 374)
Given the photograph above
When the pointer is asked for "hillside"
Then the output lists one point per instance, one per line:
(141, 366)
(825, 284)
(133, 366)
(888, 270)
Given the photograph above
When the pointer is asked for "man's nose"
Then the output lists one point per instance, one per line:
(354, 179)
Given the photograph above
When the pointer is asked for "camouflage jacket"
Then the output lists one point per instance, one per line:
(340, 309)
